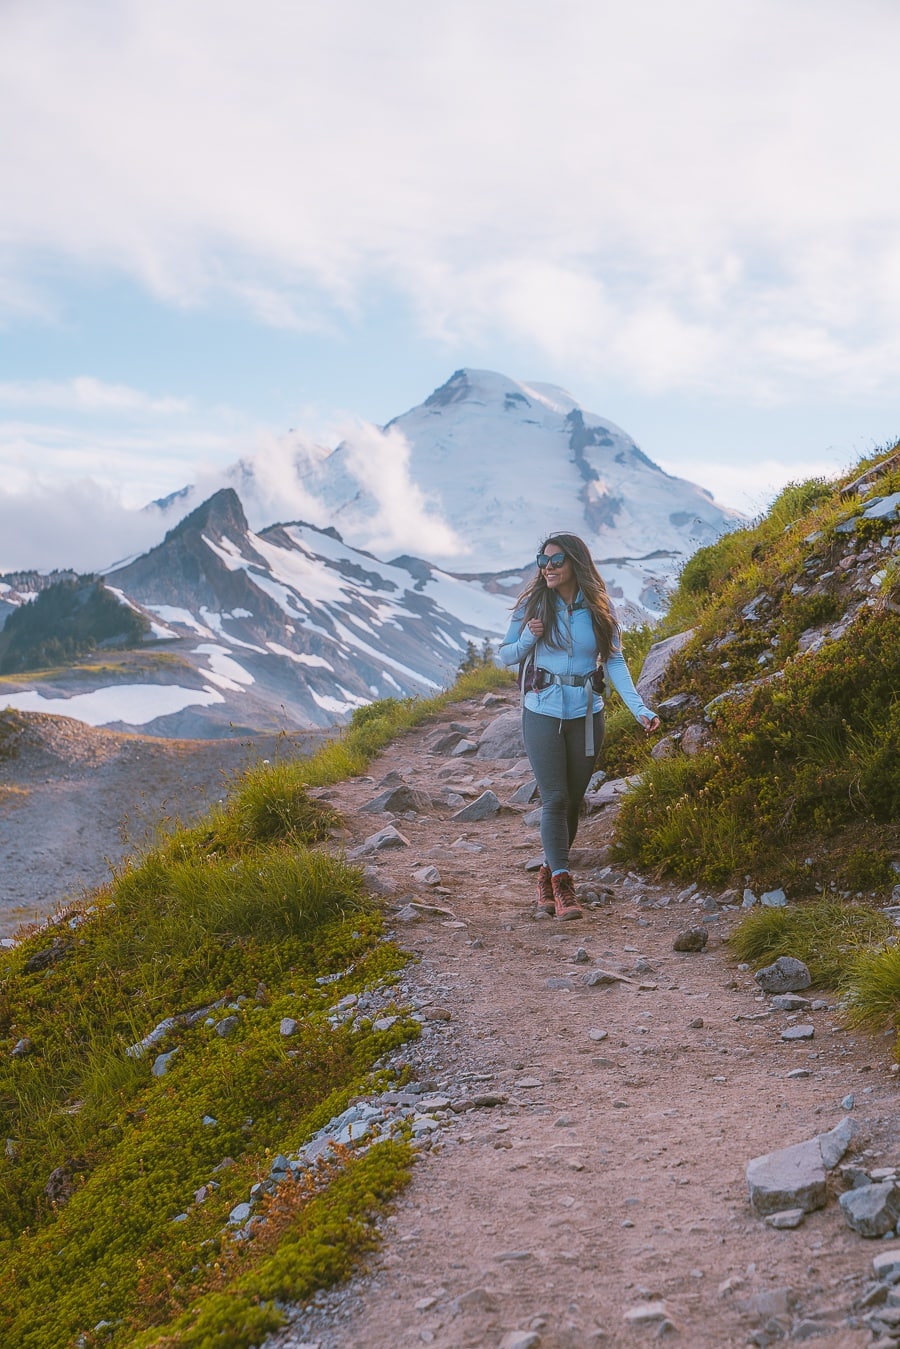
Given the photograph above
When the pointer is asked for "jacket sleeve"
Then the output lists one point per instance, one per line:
(620, 678)
(517, 642)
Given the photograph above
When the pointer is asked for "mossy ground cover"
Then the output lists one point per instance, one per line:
(103, 1239)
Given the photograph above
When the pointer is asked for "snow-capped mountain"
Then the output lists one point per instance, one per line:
(477, 475)
(504, 463)
(288, 628)
(260, 626)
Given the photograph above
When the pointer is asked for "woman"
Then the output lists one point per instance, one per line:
(563, 633)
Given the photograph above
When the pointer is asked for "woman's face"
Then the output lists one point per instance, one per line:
(559, 575)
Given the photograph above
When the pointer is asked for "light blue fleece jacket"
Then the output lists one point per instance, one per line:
(577, 655)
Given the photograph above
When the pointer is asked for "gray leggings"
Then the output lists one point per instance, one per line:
(556, 753)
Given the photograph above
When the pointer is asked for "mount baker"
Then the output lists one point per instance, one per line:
(292, 625)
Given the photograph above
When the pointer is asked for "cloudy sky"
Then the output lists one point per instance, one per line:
(222, 220)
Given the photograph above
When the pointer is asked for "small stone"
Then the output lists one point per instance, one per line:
(526, 1083)
(521, 1339)
(21, 1048)
(696, 1024)
(848, 1102)
(383, 841)
(239, 1214)
(790, 1002)
(773, 899)
(482, 808)
(749, 900)
(560, 984)
(476, 1299)
(784, 975)
(792, 1177)
(786, 1219)
(872, 1211)
(801, 1032)
(886, 1265)
(693, 939)
(598, 1035)
(227, 1025)
(580, 957)
(397, 800)
(161, 1063)
(408, 914)
(427, 876)
(288, 1026)
(799, 1073)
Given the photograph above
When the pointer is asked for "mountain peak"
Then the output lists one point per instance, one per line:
(220, 513)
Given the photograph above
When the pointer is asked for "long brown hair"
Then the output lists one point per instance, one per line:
(538, 601)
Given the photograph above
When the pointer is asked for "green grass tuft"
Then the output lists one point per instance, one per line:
(827, 936)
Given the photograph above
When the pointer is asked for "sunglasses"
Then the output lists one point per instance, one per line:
(550, 560)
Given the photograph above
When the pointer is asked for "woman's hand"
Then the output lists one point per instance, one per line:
(535, 627)
(650, 724)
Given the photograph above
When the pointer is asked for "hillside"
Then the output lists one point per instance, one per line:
(782, 700)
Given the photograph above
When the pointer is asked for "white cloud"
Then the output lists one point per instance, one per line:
(693, 196)
(76, 524)
(750, 485)
(84, 393)
(394, 514)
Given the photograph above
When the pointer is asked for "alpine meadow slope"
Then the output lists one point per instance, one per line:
(780, 762)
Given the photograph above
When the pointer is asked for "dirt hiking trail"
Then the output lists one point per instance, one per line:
(597, 1195)
(613, 1177)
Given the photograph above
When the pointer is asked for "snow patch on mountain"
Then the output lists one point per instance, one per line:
(124, 705)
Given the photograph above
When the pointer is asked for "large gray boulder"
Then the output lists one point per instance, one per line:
(502, 739)
(656, 662)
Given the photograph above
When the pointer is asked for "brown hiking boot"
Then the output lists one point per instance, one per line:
(545, 898)
(565, 903)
